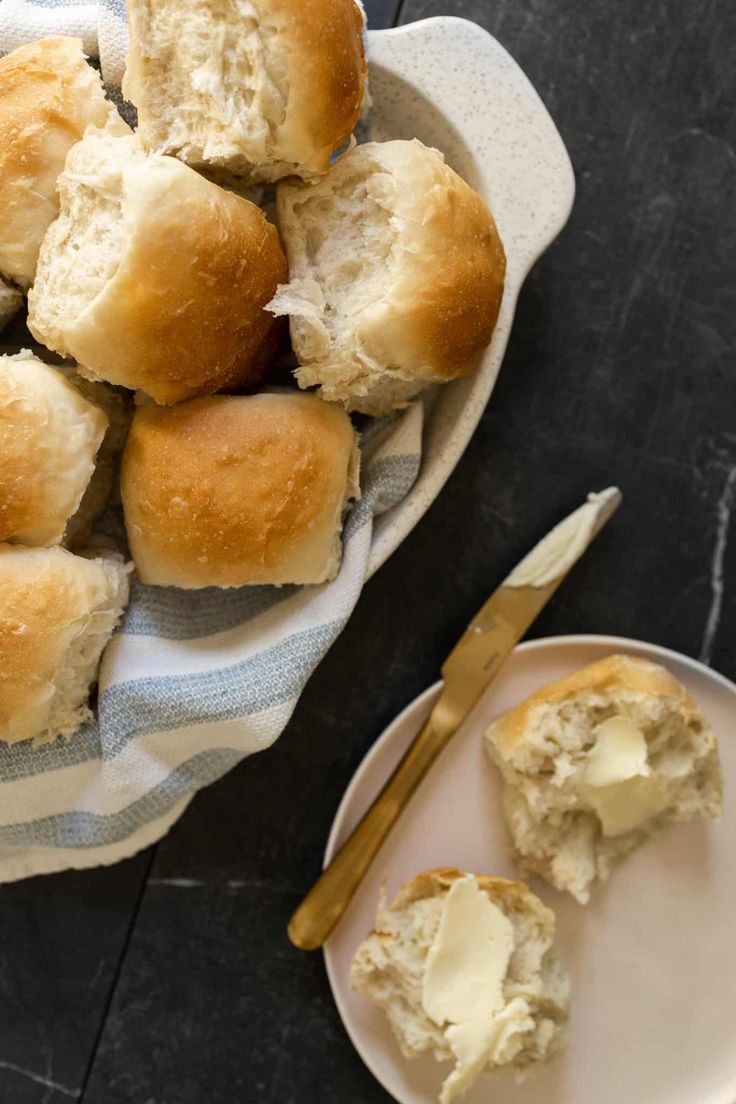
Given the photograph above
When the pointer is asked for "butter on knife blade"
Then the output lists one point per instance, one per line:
(504, 618)
(562, 547)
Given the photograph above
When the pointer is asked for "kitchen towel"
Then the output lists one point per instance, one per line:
(192, 682)
(102, 26)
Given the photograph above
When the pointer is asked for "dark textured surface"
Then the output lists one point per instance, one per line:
(61, 939)
(381, 13)
(620, 369)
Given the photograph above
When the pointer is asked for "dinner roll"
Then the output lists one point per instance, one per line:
(258, 90)
(593, 763)
(234, 490)
(153, 277)
(11, 300)
(49, 95)
(463, 967)
(57, 613)
(49, 437)
(396, 275)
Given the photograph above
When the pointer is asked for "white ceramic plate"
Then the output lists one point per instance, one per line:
(449, 83)
(652, 957)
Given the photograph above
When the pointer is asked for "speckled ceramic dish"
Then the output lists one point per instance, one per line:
(652, 957)
(449, 83)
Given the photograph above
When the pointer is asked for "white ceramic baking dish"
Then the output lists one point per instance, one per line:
(451, 84)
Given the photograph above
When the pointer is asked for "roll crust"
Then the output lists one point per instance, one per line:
(515, 895)
(49, 437)
(615, 672)
(396, 275)
(178, 311)
(449, 284)
(57, 611)
(232, 490)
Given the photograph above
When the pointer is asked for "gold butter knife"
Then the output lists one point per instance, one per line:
(472, 664)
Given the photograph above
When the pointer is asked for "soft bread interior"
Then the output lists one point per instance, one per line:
(69, 707)
(344, 241)
(389, 968)
(82, 249)
(555, 825)
(340, 239)
(224, 94)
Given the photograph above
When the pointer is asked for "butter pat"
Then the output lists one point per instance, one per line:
(469, 956)
(463, 983)
(618, 783)
(625, 806)
(619, 753)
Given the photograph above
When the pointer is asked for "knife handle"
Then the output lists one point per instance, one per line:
(331, 894)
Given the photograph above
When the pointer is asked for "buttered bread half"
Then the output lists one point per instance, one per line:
(592, 764)
(463, 967)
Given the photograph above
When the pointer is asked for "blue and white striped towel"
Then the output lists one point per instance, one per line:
(187, 687)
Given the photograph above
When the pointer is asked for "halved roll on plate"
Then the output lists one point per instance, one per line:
(594, 763)
(464, 967)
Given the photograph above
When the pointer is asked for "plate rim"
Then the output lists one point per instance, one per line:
(418, 702)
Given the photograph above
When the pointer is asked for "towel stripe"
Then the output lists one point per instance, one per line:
(84, 829)
(156, 611)
(130, 710)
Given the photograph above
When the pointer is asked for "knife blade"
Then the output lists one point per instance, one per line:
(470, 667)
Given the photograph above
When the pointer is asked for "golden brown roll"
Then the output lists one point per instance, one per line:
(153, 277)
(49, 95)
(49, 437)
(258, 91)
(396, 274)
(57, 613)
(233, 490)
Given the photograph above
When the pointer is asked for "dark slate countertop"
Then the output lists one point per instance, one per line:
(169, 979)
